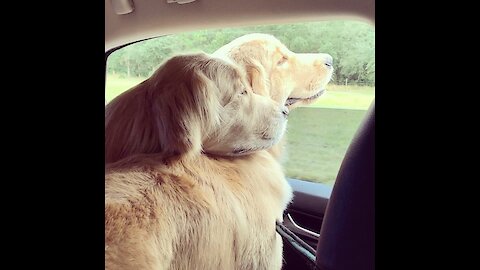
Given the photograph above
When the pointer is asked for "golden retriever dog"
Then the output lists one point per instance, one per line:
(276, 72)
(192, 177)
(187, 182)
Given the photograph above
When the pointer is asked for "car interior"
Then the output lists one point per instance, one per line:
(325, 227)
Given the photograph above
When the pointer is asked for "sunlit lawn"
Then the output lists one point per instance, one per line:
(116, 85)
(317, 141)
(347, 97)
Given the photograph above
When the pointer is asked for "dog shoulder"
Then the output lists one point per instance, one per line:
(140, 228)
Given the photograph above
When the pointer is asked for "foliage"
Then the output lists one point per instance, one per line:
(351, 43)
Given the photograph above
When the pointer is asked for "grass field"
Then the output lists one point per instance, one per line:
(318, 135)
(346, 97)
(317, 141)
(116, 85)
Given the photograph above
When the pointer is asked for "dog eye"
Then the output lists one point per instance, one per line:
(283, 60)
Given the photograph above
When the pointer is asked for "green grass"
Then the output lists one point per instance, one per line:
(116, 85)
(346, 97)
(317, 141)
(318, 135)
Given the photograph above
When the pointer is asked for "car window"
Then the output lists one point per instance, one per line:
(318, 134)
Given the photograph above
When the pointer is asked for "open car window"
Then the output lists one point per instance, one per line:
(318, 135)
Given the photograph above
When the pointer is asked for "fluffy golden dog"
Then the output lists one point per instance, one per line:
(187, 184)
(169, 204)
(276, 72)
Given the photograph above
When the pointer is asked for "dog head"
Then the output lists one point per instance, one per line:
(273, 70)
(192, 103)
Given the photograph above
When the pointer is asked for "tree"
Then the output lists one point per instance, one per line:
(351, 44)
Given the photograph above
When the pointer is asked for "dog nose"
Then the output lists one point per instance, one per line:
(328, 60)
(285, 111)
(323, 59)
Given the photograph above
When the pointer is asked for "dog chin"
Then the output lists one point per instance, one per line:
(242, 149)
(292, 100)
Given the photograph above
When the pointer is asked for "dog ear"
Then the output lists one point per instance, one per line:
(124, 116)
(169, 114)
(258, 79)
(186, 112)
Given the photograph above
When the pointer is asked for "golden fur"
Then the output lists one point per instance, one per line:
(192, 103)
(169, 205)
(187, 185)
(199, 213)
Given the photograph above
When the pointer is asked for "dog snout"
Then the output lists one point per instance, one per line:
(285, 111)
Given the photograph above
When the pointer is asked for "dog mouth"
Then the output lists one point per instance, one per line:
(292, 100)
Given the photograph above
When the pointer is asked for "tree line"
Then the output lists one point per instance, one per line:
(351, 43)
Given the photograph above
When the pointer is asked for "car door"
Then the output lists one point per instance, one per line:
(304, 217)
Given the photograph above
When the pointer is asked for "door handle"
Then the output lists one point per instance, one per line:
(301, 228)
